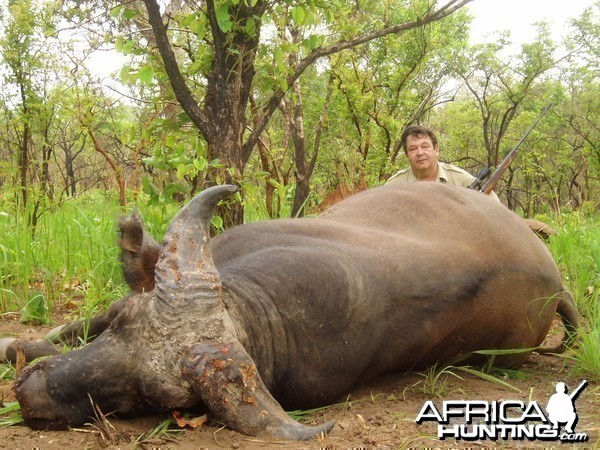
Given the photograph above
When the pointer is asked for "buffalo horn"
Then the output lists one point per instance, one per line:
(185, 269)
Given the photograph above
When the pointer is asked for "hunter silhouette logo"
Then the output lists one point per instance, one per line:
(509, 419)
(561, 406)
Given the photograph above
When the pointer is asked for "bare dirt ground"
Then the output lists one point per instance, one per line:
(379, 414)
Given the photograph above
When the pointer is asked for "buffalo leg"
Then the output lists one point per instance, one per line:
(33, 349)
(69, 334)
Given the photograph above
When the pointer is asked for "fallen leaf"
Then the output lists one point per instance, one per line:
(21, 362)
(192, 422)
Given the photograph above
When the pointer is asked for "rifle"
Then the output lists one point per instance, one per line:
(481, 175)
(506, 162)
(578, 390)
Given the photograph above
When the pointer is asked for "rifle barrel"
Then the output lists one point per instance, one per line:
(578, 390)
(506, 162)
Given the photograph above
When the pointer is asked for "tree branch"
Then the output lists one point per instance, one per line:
(271, 105)
(180, 88)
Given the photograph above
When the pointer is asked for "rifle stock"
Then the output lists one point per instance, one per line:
(506, 162)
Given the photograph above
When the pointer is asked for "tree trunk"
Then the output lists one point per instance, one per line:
(113, 165)
(70, 183)
(24, 165)
(299, 140)
(305, 168)
(47, 187)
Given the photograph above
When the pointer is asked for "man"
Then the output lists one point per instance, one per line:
(422, 150)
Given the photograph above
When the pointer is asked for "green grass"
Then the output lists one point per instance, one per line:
(437, 378)
(73, 254)
(576, 250)
(164, 430)
(10, 414)
(72, 257)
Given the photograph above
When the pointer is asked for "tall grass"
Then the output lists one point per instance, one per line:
(255, 207)
(71, 256)
(576, 250)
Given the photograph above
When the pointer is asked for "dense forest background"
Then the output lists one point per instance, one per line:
(290, 99)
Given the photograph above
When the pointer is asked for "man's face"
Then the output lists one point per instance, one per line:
(422, 154)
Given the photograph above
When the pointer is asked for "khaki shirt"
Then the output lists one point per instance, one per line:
(447, 173)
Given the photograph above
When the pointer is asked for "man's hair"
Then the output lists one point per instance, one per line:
(416, 131)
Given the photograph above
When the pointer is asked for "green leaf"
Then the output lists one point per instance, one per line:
(200, 164)
(298, 15)
(129, 13)
(49, 30)
(175, 188)
(309, 19)
(119, 44)
(115, 11)
(36, 310)
(149, 189)
(195, 66)
(10, 407)
(329, 15)
(170, 141)
(223, 18)
(197, 27)
(216, 164)
(508, 351)
(187, 20)
(146, 75)
(282, 84)
(184, 169)
(124, 74)
(217, 222)
(313, 42)
(250, 26)
(10, 414)
(279, 57)
(128, 47)
(153, 162)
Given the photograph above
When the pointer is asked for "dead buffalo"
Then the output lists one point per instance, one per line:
(294, 313)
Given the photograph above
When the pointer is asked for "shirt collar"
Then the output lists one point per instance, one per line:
(442, 176)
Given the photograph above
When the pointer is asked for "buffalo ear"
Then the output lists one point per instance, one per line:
(139, 252)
